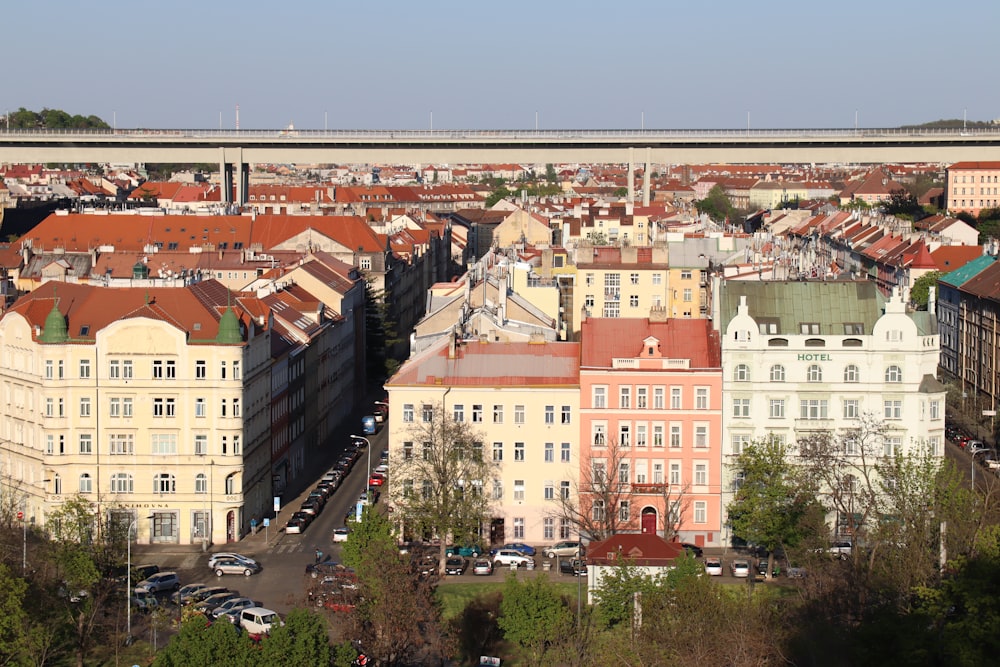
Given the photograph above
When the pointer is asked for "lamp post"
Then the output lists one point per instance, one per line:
(368, 472)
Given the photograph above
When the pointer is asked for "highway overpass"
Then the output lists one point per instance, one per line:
(234, 150)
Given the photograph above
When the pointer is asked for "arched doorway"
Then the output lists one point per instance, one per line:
(648, 520)
(230, 526)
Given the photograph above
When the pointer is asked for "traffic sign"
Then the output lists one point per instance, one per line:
(20, 516)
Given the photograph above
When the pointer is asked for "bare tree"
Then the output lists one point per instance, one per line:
(440, 480)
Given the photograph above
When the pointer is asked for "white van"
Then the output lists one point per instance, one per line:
(259, 621)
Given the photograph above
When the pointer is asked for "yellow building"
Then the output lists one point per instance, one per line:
(620, 282)
(152, 404)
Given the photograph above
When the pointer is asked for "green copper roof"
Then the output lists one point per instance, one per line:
(229, 328)
(55, 330)
(965, 273)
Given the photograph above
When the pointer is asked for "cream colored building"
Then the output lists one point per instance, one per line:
(524, 400)
(622, 282)
(153, 404)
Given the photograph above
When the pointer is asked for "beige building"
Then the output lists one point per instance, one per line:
(621, 282)
(524, 400)
(972, 187)
(153, 404)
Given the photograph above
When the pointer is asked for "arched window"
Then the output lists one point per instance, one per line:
(851, 373)
(894, 374)
(200, 483)
(164, 483)
(814, 374)
(230, 484)
(57, 485)
(86, 483)
(121, 482)
(777, 373)
(741, 373)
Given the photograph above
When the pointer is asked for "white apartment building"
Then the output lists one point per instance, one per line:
(801, 357)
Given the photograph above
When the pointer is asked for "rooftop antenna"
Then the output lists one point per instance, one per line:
(237, 116)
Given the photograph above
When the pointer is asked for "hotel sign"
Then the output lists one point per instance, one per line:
(815, 357)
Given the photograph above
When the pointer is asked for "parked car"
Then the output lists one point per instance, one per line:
(841, 549)
(426, 566)
(975, 446)
(573, 566)
(140, 572)
(567, 548)
(206, 593)
(482, 567)
(376, 479)
(227, 555)
(384, 456)
(231, 606)
(311, 507)
(144, 602)
(187, 593)
(527, 550)
(209, 604)
(340, 534)
(326, 568)
(740, 568)
(466, 550)
(692, 549)
(298, 523)
(510, 557)
(258, 621)
(163, 581)
(713, 566)
(455, 565)
(383, 468)
(318, 496)
(236, 567)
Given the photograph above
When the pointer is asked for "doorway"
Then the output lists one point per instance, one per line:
(648, 521)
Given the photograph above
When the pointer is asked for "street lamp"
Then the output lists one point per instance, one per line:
(368, 472)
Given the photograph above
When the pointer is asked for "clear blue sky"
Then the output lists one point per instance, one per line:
(474, 64)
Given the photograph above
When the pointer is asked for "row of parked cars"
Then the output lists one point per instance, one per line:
(324, 490)
(983, 454)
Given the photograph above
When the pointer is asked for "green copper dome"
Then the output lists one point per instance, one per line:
(55, 330)
(229, 328)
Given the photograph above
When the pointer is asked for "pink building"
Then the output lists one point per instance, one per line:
(651, 426)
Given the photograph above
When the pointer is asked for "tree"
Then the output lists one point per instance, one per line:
(920, 291)
(717, 205)
(302, 640)
(533, 615)
(440, 480)
(550, 174)
(592, 508)
(620, 192)
(202, 643)
(615, 595)
(903, 205)
(501, 192)
(374, 531)
(14, 621)
(770, 503)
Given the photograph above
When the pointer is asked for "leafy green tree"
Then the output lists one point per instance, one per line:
(903, 204)
(438, 490)
(770, 504)
(615, 596)
(859, 205)
(476, 628)
(302, 640)
(620, 192)
(550, 174)
(501, 192)
(14, 621)
(533, 615)
(202, 643)
(921, 289)
(717, 205)
(374, 531)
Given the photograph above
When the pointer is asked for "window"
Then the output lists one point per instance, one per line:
(935, 409)
(564, 489)
(600, 397)
(675, 473)
(675, 436)
(163, 443)
(588, 301)
(894, 374)
(164, 483)
(477, 413)
(550, 415)
(657, 435)
(564, 529)
(121, 444)
(600, 435)
(518, 489)
(127, 369)
(741, 373)
(701, 474)
(625, 397)
(427, 451)
(633, 300)
(84, 369)
(498, 451)
(199, 407)
(497, 414)
(633, 278)
(741, 407)
(237, 372)
(518, 451)
(222, 370)
(657, 278)
(675, 398)
(86, 443)
(624, 435)
(126, 408)
(86, 483)
(809, 328)
(85, 406)
(851, 373)
(701, 435)
(597, 510)
(200, 370)
(50, 407)
(700, 511)
(589, 279)
(49, 369)
(701, 398)
(564, 452)
(497, 489)
(777, 408)
(408, 451)
(814, 374)
(518, 414)
(777, 373)
(565, 417)
(851, 408)
(548, 528)
(623, 510)
(121, 482)
(236, 408)
(813, 408)
(640, 435)
(549, 490)
(427, 413)
(200, 483)
(658, 403)
(893, 409)
(550, 452)
(892, 446)
(458, 413)
(114, 370)
(408, 412)
(739, 441)
(201, 445)
(687, 294)
(159, 402)
(157, 370)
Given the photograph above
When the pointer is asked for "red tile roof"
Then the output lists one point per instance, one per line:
(605, 339)
(638, 548)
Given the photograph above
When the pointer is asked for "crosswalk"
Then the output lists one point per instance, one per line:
(287, 548)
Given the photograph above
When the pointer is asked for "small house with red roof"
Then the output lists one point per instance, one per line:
(649, 554)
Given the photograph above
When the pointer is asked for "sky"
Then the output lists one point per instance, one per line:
(469, 64)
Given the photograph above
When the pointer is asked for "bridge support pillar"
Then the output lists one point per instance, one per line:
(631, 176)
(235, 176)
(225, 177)
(647, 175)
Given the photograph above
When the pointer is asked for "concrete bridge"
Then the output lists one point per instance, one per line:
(235, 150)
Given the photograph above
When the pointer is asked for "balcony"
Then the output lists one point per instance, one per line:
(612, 295)
(659, 489)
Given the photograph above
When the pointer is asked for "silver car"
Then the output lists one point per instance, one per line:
(233, 606)
(222, 555)
(235, 567)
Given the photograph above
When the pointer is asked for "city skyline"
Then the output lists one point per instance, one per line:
(511, 66)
